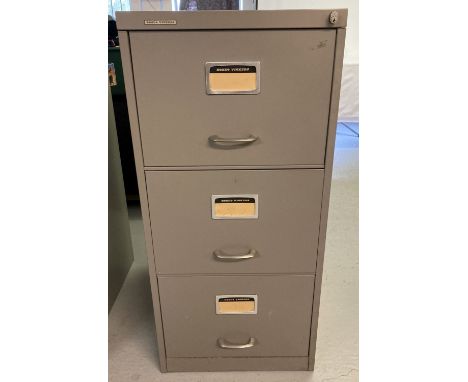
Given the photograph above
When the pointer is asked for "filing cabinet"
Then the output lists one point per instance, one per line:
(233, 118)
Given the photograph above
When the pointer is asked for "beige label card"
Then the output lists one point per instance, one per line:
(233, 82)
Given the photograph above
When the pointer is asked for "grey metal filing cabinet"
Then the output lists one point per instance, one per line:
(233, 118)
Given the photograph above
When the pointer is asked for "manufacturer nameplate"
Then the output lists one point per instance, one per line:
(160, 22)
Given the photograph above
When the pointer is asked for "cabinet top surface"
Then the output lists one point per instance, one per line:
(271, 19)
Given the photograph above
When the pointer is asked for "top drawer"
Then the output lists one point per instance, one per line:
(289, 115)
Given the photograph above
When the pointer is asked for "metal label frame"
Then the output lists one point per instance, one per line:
(214, 197)
(254, 296)
(209, 65)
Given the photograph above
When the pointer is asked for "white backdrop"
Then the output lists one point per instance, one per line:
(349, 103)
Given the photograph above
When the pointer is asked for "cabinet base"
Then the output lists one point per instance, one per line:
(238, 364)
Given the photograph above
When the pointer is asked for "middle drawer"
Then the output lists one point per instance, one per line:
(282, 239)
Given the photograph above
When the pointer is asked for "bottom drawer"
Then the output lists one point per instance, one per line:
(279, 327)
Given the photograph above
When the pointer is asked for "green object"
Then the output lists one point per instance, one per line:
(120, 251)
(113, 56)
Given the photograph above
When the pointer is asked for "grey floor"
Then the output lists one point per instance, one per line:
(133, 354)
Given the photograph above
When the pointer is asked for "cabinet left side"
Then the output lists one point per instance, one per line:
(125, 49)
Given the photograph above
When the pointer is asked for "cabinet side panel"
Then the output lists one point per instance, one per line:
(125, 50)
(330, 149)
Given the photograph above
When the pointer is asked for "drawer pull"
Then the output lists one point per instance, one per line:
(222, 343)
(222, 256)
(214, 139)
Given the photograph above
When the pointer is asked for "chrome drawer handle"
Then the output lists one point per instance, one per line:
(222, 343)
(214, 139)
(222, 256)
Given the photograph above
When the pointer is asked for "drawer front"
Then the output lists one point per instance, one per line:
(289, 115)
(192, 328)
(283, 239)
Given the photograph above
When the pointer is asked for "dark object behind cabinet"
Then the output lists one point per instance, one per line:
(203, 5)
(122, 122)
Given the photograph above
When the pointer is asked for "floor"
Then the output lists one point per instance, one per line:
(133, 354)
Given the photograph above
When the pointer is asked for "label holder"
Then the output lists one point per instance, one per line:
(237, 298)
(231, 196)
(209, 65)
